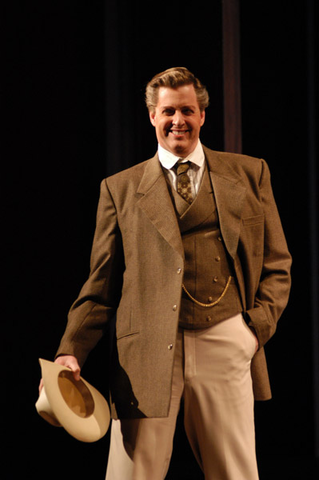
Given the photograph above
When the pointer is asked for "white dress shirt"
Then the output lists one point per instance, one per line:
(195, 172)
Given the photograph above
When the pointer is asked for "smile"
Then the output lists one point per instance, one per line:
(179, 133)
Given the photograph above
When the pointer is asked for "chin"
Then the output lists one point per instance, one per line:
(180, 150)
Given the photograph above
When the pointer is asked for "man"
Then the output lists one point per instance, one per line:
(190, 254)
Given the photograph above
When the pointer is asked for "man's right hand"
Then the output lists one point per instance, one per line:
(67, 361)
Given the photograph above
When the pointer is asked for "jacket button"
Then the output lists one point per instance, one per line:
(174, 308)
(208, 319)
(210, 299)
(179, 271)
(217, 258)
(215, 279)
(170, 346)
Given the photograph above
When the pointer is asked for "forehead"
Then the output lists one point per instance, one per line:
(180, 96)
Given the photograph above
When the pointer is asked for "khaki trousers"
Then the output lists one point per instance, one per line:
(212, 375)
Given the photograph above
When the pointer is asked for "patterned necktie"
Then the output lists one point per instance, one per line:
(183, 182)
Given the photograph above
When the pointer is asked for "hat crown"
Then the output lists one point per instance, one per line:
(76, 394)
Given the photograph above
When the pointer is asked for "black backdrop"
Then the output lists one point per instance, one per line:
(73, 81)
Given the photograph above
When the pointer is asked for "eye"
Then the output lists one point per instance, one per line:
(188, 111)
(168, 112)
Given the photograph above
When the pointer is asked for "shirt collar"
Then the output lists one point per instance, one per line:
(168, 160)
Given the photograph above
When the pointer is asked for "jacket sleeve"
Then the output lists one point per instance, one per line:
(99, 296)
(274, 284)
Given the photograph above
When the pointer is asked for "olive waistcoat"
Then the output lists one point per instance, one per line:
(210, 294)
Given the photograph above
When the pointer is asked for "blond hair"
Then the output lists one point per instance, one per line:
(173, 78)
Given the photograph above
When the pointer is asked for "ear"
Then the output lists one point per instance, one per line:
(202, 117)
(152, 115)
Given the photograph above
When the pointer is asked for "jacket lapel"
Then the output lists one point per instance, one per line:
(157, 204)
(230, 193)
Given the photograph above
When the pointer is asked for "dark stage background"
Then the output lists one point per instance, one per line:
(72, 108)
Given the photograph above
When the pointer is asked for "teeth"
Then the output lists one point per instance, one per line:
(178, 132)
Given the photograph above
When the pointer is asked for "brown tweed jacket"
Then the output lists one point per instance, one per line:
(137, 263)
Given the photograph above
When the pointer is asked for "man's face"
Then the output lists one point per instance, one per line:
(177, 119)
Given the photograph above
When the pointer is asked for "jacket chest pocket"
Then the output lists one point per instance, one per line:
(251, 221)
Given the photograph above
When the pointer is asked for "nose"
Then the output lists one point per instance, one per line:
(178, 118)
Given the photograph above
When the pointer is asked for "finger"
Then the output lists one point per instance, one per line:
(40, 385)
(76, 374)
(74, 367)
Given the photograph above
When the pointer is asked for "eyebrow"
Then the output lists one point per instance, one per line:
(182, 106)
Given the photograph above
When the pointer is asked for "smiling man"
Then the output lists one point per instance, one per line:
(190, 255)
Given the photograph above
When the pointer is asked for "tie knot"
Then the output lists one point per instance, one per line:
(182, 168)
